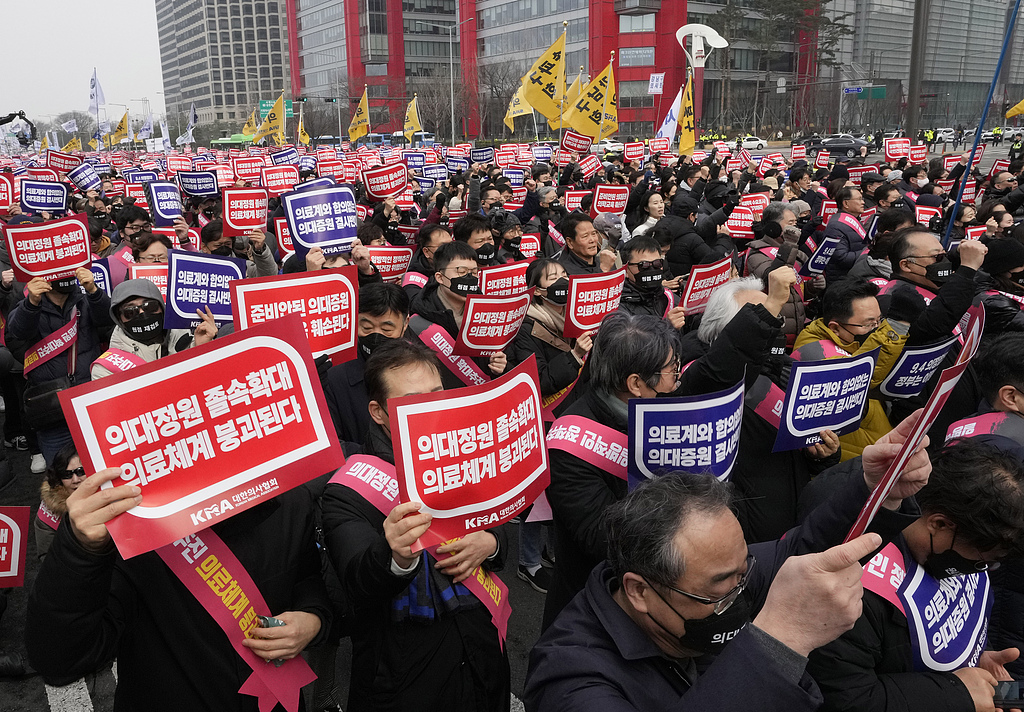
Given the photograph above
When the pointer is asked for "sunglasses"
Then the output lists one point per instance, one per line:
(77, 472)
(648, 264)
(150, 306)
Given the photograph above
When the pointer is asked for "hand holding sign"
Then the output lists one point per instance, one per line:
(828, 446)
(466, 554)
(90, 508)
(878, 457)
(402, 528)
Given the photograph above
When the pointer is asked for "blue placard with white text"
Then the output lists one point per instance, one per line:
(164, 202)
(324, 218)
(196, 280)
(39, 196)
(198, 183)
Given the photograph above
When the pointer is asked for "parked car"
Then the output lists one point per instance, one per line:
(839, 144)
(606, 145)
(945, 134)
(758, 144)
(899, 133)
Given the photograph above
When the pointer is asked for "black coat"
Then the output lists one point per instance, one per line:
(688, 248)
(418, 265)
(171, 654)
(455, 662)
(637, 303)
(347, 401)
(428, 305)
(556, 365)
(574, 265)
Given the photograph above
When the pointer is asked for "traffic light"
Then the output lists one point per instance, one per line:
(330, 100)
(299, 98)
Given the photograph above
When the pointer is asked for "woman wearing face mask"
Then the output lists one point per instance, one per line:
(652, 209)
(139, 337)
(965, 216)
(1004, 265)
(62, 478)
(998, 221)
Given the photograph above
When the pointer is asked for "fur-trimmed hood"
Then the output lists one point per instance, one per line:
(55, 499)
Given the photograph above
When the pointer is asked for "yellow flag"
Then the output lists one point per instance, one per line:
(574, 91)
(517, 107)
(44, 144)
(274, 123)
(106, 140)
(412, 120)
(360, 125)
(72, 145)
(94, 144)
(544, 84)
(251, 125)
(1015, 110)
(585, 114)
(121, 132)
(303, 136)
(687, 129)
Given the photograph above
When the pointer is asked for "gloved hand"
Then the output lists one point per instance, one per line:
(905, 304)
(323, 365)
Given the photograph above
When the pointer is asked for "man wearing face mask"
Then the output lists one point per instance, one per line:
(846, 227)
(45, 314)
(259, 259)
(475, 231)
(139, 337)
(438, 309)
(919, 644)
(507, 232)
(921, 265)
(383, 315)
(642, 292)
(679, 585)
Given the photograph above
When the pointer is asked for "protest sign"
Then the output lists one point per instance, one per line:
(575, 142)
(489, 324)
(824, 395)
(474, 457)
(392, 262)
(43, 196)
(541, 154)
(757, 202)
(7, 192)
(285, 156)
(196, 281)
(897, 148)
(284, 237)
(828, 209)
(247, 168)
(326, 301)
(516, 176)
(923, 214)
(415, 159)
(798, 153)
(85, 177)
(573, 198)
(633, 151)
(176, 164)
(916, 366)
(702, 282)
(155, 273)
(504, 280)
(50, 250)
(660, 144)
(592, 297)
(61, 162)
(199, 183)
(699, 434)
(975, 232)
(943, 388)
(457, 165)
(385, 181)
(590, 164)
(101, 276)
(205, 433)
(245, 210)
(13, 545)
(740, 223)
(278, 180)
(820, 257)
(44, 174)
(321, 217)
(529, 245)
(435, 172)
(164, 201)
(918, 154)
(609, 199)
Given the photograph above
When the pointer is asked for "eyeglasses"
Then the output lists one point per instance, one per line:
(137, 228)
(151, 259)
(722, 604)
(150, 306)
(648, 264)
(463, 271)
(937, 256)
(70, 474)
(873, 324)
(676, 371)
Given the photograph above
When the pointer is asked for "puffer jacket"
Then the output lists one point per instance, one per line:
(176, 340)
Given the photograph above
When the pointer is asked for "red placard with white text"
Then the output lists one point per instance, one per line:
(326, 300)
(592, 297)
(975, 232)
(702, 281)
(822, 160)
(589, 164)
(176, 164)
(757, 202)
(155, 273)
(660, 144)
(918, 154)
(6, 192)
(50, 250)
(248, 168)
(284, 237)
(278, 180)
(924, 213)
(529, 245)
(740, 221)
(489, 324)
(575, 142)
(385, 181)
(504, 280)
(609, 199)
(828, 209)
(573, 198)
(392, 262)
(206, 433)
(14, 523)
(245, 210)
(798, 153)
(170, 234)
(897, 148)
(475, 457)
(633, 151)
(61, 162)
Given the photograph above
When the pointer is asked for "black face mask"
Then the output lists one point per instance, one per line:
(898, 204)
(464, 286)
(710, 635)
(949, 563)
(222, 251)
(648, 281)
(64, 286)
(146, 328)
(370, 343)
(1018, 277)
(939, 272)
(558, 292)
(486, 252)
(861, 339)
(512, 242)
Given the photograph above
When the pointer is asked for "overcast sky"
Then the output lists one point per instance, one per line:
(66, 40)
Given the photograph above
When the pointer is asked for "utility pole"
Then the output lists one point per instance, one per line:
(917, 45)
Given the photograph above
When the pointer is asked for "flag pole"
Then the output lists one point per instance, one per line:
(604, 106)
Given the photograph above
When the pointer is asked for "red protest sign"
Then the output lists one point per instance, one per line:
(999, 165)
(284, 237)
(739, 223)
(61, 162)
(828, 209)
(702, 281)
(330, 169)
(950, 161)
(42, 174)
(923, 214)
(822, 160)
(245, 210)
(529, 245)
(50, 250)
(757, 202)
(489, 324)
(206, 433)
(573, 198)
(970, 191)
(326, 301)
(278, 180)
(918, 154)
(562, 158)
(575, 142)
(504, 159)
(247, 168)
(13, 545)
(176, 164)
(592, 297)
(155, 273)
(504, 280)
(896, 148)
(225, 175)
(385, 181)
(609, 199)
(170, 234)
(660, 144)
(6, 191)
(975, 232)
(474, 457)
(589, 164)
(798, 153)
(633, 151)
(391, 262)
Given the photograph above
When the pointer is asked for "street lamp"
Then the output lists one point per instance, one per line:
(451, 58)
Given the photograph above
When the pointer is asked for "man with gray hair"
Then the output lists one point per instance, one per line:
(681, 583)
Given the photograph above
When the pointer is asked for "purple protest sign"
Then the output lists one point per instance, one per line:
(458, 165)
(322, 217)
(824, 395)
(286, 156)
(916, 366)
(101, 275)
(820, 257)
(482, 156)
(43, 196)
(307, 163)
(415, 159)
(164, 202)
(85, 177)
(542, 153)
(435, 171)
(693, 433)
(196, 280)
(516, 176)
(199, 183)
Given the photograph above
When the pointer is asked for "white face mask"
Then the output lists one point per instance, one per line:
(922, 182)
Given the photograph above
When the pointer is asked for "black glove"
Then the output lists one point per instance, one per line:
(323, 365)
(440, 201)
(905, 304)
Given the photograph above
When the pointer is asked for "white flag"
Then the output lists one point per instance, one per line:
(70, 126)
(185, 137)
(96, 97)
(166, 137)
(668, 126)
(51, 136)
(193, 117)
(104, 127)
(147, 128)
